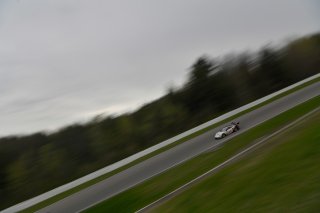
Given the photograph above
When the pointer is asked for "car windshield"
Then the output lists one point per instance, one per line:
(225, 128)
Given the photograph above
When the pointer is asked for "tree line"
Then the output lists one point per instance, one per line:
(33, 164)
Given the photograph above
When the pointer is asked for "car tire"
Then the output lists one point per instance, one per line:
(223, 135)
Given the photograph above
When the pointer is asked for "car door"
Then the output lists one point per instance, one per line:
(229, 130)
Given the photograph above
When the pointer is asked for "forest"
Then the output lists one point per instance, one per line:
(33, 164)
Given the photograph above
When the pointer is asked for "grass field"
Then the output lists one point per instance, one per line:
(151, 190)
(281, 176)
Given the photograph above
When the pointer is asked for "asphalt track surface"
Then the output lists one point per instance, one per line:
(174, 156)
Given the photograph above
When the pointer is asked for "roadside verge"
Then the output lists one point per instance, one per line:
(224, 164)
(166, 182)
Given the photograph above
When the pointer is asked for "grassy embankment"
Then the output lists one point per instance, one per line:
(283, 176)
(159, 186)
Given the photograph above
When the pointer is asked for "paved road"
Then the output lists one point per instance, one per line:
(178, 154)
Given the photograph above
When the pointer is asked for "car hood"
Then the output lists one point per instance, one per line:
(218, 134)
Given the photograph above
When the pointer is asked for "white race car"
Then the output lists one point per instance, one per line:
(233, 127)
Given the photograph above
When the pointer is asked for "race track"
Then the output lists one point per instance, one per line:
(176, 155)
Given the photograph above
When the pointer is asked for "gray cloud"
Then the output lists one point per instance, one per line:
(65, 61)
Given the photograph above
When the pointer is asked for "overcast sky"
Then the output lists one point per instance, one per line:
(63, 61)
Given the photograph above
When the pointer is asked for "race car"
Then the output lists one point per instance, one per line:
(233, 127)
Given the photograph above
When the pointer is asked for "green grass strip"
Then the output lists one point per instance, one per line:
(281, 176)
(151, 190)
